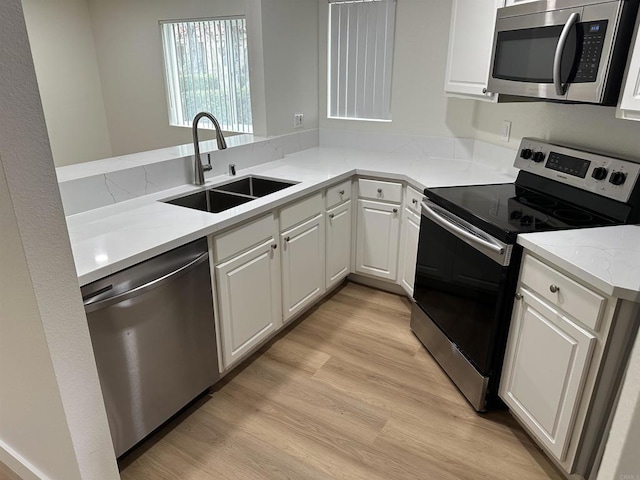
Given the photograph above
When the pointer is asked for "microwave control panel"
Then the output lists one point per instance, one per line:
(607, 176)
(590, 51)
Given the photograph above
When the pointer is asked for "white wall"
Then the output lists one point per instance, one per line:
(418, 103)
(588, 126)
(64, 55)
(52, 418)
(290, 48)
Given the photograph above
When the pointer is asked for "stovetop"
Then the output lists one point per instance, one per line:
(506, 210)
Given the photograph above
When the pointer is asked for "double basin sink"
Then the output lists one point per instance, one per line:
(232, 194)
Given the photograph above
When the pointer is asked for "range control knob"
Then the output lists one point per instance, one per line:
(538, 157)
(526, 153)
(617, 178)
(600, 173)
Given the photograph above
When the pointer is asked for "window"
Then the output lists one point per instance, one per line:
(361, 34)
(207, 68)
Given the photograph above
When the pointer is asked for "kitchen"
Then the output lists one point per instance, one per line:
(415, 83)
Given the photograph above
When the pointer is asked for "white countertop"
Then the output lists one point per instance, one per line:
(109, 239)
(607, 257)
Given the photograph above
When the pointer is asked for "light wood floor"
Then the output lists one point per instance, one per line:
(347, 393)
(7, 474)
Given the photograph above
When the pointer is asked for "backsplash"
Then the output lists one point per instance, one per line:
(447, 148)
(91, 185)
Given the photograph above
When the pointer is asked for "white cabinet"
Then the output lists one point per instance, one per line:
(546, 364)
(629, 107)
(303, 268)
(338, 229)
(409, 249)
(470, 47)
(248, 290)
(378, 232)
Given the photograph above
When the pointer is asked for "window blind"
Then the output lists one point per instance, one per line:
(207, 68)
(361, 37)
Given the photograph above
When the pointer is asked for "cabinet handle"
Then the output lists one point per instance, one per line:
(341, 192)
(286, 239)
(484, 90)
(518, 296)
(554, 289)
(379, 190)
(414, 201)
(331, 215)
(274, 246)
(395, 210)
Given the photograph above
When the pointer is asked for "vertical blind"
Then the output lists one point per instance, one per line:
(361, 35)
(207, 68)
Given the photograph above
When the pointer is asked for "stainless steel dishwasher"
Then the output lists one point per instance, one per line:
(153, 334)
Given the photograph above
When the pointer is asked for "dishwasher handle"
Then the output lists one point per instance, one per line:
(92, 307)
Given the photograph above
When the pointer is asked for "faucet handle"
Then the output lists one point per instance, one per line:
(207, 167)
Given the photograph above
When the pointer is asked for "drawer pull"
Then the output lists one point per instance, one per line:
(518, 296)
(341, 192)
(395, 210)
(554, 289)
(379, 190)
(274, 246)
(414, 201)
(287, 239)
(331, 215)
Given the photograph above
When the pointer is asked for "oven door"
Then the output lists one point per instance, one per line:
(557, 55)
(462, 284)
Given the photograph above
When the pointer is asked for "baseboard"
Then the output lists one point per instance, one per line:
(379, 284)
(19, 464)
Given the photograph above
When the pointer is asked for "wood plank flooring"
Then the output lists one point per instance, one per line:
(7, 474)
(347, 393)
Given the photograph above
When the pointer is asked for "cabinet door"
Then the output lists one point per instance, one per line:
(377, 239)
(248, 300)
(470, 47)
(338, 243)
(409, 250)
(630, 102)
(302, 265)
(546, 363)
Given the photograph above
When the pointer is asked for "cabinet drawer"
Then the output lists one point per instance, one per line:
(243, 237)
(300, 211)
(413, 199)
(583, 304)
(379, 190)
(338, 194)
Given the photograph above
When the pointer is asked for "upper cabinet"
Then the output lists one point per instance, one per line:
(630, 99)
(470, 46)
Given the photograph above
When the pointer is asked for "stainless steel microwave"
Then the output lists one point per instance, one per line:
(562, 50)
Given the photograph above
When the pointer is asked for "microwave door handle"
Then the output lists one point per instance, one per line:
(557, 59)
(444, 223)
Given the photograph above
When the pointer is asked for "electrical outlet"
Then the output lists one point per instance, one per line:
(506, 131)
(298, 120)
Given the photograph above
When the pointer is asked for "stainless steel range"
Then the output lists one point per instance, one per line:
(468, 259)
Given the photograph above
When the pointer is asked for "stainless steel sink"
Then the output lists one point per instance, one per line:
(232, 194)
(254, 186)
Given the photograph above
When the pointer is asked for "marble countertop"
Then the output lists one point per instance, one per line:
(606, 257)
(108, 239)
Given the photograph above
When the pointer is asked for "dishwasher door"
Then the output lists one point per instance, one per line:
(153, 334)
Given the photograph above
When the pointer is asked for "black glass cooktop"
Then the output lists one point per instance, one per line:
(505, 210)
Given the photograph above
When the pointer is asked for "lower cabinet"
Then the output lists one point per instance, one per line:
(249, 299)
(409, 249)
(378, 237)
(547, 360)
(303, 255)
(338, 261)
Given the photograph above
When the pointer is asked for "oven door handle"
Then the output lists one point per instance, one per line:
(447, 225)
(557, 59)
